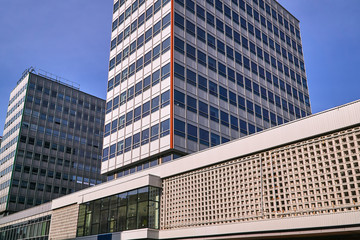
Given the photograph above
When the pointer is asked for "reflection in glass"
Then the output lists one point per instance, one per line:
(135, 209)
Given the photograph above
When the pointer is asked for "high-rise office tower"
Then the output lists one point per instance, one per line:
(186, 75)
(52, 142)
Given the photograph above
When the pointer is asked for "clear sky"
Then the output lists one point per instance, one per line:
(72, 39)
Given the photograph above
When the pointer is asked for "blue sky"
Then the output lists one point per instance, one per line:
(72, 39)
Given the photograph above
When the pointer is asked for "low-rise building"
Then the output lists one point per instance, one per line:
(301, 179)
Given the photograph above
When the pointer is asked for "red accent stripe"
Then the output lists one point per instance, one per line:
(172, 78)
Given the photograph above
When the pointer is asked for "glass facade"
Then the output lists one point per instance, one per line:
(134, 209)
(53, 142)
(36, 229)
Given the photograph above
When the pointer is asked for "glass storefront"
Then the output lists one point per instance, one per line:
(35, 229)
(134, 209)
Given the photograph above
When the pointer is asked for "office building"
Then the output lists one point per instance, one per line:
(188, 75)
(300, 180)
(51, 144)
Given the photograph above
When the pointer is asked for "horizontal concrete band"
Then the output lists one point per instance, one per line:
(336, 222)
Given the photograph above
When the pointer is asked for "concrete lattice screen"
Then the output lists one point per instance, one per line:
(311, 177)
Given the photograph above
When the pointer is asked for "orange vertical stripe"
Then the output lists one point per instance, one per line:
(172, 78)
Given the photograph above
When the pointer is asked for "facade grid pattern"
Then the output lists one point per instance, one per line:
(311, 177)
(236, 68)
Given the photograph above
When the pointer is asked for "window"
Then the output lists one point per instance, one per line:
(235, 17)
(201, 35)
(179, 98)
(212, 63)
(238, 58)
(200, 12)
(147, 58)
(156, 52)
(179, 21)
(192, 132)
(128, 144)
(190, 27)
(224, 117)
(155, 104)
(165, 99)
(145, 136)
(213, 88)
(215, 139)
(211, 41)
(232, 97)
(190, 5)
(220, 47)
(210, 19)
(179, 45)
(234, 122)
(154, 132)
(165, 128)
(139, 64)
(201, 57)
(156, 28)
(129, 118)
(149, 13)
(179, 71)
(165, 71)
(219, 25)
(141, 19)
(148, 35)
(204, 137)
(214, 114)
(202, 81)
(191, 104)
(203, 109)
(166, 21)
(190, 52)
(249, 107)
(136, 140)
(137, 113)
(157, 6)
(179, 128)
(165, 45)
(191, 77)
(227, 11)
(223, 93)
(146, 109)
(237, 37)
(230, 52)
(155, 77)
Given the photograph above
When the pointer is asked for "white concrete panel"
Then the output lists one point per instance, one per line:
(155, 90)
(135, 154)
(111, 163)
(165, 142)
(154, 146)
(104, 166)
(146, 121)
(146, 95)
(129, 105)
(106, 141)
(165, 84)
(127, 157)
(137, 126)
(165, 112)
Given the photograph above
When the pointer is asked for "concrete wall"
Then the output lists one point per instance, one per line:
(64, 222)
(312, 177)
